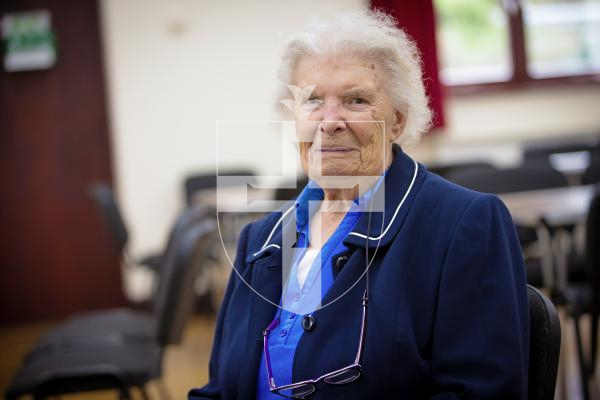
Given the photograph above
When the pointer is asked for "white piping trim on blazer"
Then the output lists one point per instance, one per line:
(397, 209)
(265, 246)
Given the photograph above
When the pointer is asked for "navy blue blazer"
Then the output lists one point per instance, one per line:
(448, 311)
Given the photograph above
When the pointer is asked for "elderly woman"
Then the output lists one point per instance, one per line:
(399, 284)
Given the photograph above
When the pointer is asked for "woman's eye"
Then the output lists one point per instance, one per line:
(313, 102)
(358, 102)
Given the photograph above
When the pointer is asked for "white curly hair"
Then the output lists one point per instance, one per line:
(370, 34)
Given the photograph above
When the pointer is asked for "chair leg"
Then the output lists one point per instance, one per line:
(583, 370)
(594, 327)
(163, 390)
(594, 344)
(144, 393)
(124, 394)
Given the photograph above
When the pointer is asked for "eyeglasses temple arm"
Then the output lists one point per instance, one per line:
(266, 333)
(363, 329)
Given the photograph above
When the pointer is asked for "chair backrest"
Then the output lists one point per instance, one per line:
(286, 193)
(592, 262)
(509, 180)
(195, 183)
(445, 169)
(183, 260)
(592, 173)
(104, 198)
(540, 151)
(187, 218)
(544, 345)
(592, 236)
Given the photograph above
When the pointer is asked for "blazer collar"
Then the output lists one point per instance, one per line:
(401, 183)
(273, 236)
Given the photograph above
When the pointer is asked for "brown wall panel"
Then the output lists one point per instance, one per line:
(56, 256)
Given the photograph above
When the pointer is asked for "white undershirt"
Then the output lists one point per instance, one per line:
(305, 263)
(311, 254)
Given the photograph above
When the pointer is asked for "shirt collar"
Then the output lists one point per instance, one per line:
(375, 229)
(402, 182)
(313, 192)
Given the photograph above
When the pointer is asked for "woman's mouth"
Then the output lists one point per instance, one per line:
(334, 149)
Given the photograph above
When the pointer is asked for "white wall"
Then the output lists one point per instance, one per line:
(494, 125)
(174, 68)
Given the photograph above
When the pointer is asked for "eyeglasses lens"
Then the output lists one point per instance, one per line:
(298, 392)
(342, 377)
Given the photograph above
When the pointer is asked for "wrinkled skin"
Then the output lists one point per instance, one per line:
(347, 124)
(346, 128)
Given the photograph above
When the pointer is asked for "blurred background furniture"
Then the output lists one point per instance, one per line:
(508, 180)
(592, 173)
(447, 168)
(107, 204)
(91, 328)
(196, 183)
(554, 215)
(572, 157)
(200, 189)
(582, 296)
(104, 358)
(289, 192)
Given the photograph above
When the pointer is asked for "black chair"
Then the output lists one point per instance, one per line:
(583, 295)
(87, 329)
(198, 182)
(285, 193)
(105, 200)
(445, 169)
(544, 345)
(592, 173)
(115, 362)
(540, 151)
(508, 180)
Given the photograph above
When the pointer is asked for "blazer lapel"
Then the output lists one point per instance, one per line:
(402, 182)
(266, 281)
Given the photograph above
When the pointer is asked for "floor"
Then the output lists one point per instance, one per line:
(568, 381)
(186, 365)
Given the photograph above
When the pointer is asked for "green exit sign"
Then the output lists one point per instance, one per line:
(29, 43)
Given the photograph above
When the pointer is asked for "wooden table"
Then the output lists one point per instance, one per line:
(560, 209)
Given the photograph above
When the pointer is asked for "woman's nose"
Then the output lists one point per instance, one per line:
(333, 120)
(335, 126)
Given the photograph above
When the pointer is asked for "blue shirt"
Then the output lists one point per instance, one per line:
(284, 339)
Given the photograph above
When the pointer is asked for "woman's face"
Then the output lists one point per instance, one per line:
(347, 125)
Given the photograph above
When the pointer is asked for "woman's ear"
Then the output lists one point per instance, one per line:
(398, 126)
